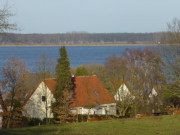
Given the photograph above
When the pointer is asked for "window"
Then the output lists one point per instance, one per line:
(43, 98)
(95, 93)
(26, 95)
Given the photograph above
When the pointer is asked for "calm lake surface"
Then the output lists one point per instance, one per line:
(77, 55)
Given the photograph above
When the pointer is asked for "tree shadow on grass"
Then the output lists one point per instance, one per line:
(33, 131)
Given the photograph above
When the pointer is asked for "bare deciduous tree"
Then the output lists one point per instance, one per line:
(171, 52)
(142, 69)
(172, 35)
(12, 84)
(63, 112)
(124, 99)
(5, 14)
(171, 57)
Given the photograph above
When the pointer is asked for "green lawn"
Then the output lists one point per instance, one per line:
(160, 125)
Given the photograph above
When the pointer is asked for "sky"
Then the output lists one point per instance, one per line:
(93, 16)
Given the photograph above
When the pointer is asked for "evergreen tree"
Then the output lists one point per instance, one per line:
(63, 88)
(63, 74)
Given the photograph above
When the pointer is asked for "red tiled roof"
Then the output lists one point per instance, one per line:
(88, 91)
(51, 83)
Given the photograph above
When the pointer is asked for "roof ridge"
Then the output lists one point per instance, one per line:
(85, 76)
(49, 78)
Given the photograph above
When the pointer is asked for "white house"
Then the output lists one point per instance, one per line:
(153, 93)
(89, 97)
(38, 103)
(154, 97)
(123, 92)
(154, 101)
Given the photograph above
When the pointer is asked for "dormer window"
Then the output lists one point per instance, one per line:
(26, 95)
(95, 93)
(43, 98)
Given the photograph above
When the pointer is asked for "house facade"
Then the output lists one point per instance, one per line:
(154, 101)
(153, 93)
(103, 109)
(38, 103)
(89, 97)
(123, 92)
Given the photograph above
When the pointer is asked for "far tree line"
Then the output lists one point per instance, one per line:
(78, 38)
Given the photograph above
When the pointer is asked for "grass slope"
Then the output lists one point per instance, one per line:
(161, 125)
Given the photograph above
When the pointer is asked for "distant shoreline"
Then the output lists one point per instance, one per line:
(80, 45)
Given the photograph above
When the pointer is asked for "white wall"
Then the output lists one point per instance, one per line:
(103, 109)
(35, 107)
(122, 91)
(153, 94)
(1, 117)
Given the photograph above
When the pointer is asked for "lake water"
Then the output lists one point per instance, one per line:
(77, 55)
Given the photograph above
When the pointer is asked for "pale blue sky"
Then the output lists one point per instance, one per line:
(60, 16)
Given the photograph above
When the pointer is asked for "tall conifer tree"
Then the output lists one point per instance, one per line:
(63, 88)
(63, 74)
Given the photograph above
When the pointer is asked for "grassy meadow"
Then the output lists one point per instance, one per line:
(159, 125)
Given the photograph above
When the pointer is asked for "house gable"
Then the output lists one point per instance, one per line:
(123, 91)
(35, 107)
(153, 93)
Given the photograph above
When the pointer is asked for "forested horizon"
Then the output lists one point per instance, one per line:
(80, 38)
